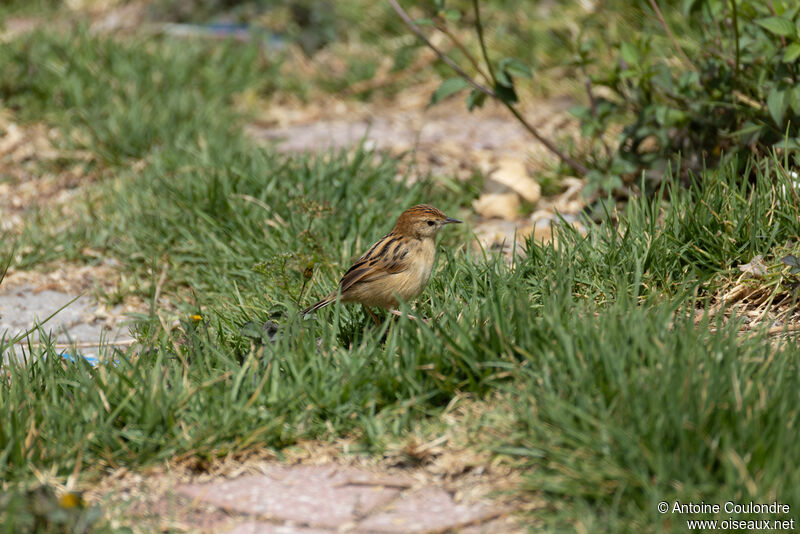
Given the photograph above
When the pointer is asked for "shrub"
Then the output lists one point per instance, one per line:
(728, 86)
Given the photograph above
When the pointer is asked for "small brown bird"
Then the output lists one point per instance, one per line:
(397, 266)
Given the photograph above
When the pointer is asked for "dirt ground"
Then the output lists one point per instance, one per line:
(454, 458)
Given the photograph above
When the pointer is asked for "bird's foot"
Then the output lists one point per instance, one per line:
(398, 313)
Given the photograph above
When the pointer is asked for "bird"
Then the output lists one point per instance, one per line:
(395, 268)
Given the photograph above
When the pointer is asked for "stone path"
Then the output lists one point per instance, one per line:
(83, 323)
(326, 499)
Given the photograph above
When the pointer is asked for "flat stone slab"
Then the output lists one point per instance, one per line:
(177, 513)
(23, 307)
(326, 499)
(501, 525)
(261, 527)
(427, 510)
(314, 496)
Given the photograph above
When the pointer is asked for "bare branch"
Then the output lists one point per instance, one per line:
(479, 29)
(444, 57)
(442, 28)
(489, 92)
(663, 22)
(550, 146)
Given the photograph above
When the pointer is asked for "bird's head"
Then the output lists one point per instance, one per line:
(422, 221)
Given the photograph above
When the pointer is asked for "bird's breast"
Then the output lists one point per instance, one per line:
(412, 281)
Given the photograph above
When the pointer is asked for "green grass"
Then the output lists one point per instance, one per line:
(23, 8)
(126, 100)
(617, 395)
(616, 419)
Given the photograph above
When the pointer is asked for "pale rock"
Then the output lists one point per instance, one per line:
(649, 144)
(498, 205)
(504, 237)
(512, 174)
(10, 139)
(484, 160)
(755, 268)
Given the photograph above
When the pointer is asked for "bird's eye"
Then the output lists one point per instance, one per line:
(431, 223)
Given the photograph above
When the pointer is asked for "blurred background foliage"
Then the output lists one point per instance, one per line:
(706, 79)
(683, 83)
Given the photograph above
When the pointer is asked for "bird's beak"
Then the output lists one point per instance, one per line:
(451, 220)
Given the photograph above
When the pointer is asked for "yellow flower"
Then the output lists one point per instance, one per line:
(70, 500)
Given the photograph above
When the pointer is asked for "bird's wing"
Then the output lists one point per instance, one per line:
(386, 257)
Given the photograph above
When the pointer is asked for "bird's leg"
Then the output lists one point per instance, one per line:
(374, 317)
(398, 313)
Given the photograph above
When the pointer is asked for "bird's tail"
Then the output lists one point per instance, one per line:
(321, 304)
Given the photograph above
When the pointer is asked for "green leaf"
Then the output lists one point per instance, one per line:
(794, 100)
(777, 104)
(750, 132)
(506, 94)
(252, 330)
(791, 53)
(778, 26)
(587, 46)
(475, 99)
(667, 116)
(503, 78)
(621, 165)
(601, 181)
(788, 144)
(453, 15)
(515, 67)
(424, 22)
(582, 113)
(630, 54)
(688, 7)
(448, 88)
(793, 262)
